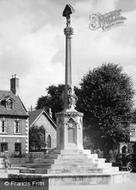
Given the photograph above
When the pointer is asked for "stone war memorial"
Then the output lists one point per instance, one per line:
(70, 163)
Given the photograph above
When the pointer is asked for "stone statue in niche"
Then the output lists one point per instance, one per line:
(72, 99)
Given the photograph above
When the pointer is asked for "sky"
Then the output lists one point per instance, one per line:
(32, 43)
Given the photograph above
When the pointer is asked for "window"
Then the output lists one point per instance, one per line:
(132, 132)
(3, 103)
(9, 104)
(17, 126)
(49, 141)
(2, 126)
(18, 148)
(4, 147)
(124, 150)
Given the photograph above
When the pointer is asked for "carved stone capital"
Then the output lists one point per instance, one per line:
(69, 114)
(68, 31)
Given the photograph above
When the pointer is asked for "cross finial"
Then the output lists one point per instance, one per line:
(67, 12)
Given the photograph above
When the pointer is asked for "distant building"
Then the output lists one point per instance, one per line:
(13, 121)
(133, 136)
(131, 146)
(42, 118)
(133, 132)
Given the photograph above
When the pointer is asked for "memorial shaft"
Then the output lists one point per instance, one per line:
(68, 31)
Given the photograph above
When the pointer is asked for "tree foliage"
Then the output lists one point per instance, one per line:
(36, 138)
(134, 116)
(53, 99)
(105, 98)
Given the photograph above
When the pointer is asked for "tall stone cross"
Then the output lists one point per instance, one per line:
(69, 97)
(69, 121)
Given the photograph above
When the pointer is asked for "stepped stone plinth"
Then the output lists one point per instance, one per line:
(74, 166)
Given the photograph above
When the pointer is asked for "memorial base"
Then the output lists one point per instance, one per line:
(75, 167)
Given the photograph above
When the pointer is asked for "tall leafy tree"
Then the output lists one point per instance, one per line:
(53, 99)
(134, 116)
(105, 98)
(36, 138)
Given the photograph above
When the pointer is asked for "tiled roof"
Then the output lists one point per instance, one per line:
(18, 107)
(34, 115)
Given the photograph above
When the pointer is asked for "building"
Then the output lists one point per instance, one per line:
(42, 118)
(133, 136)
(129, 147)
(133, 132)
(13, 121)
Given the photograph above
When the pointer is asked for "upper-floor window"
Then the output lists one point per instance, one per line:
(7, 103)
(3, 103)
(17, 126)
(2, 126)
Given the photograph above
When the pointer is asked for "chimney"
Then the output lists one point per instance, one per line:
(14, 84)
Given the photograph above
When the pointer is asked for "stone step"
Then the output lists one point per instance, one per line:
(72, 165)
(105, 165)
(2, 170)
(51, 156)
(116, 169)
(54, 151)
(41, 171)
(62, 159)
(27, 170)
(109, 170)
(68, 170)
(99, 161)
(44, 161)
(75, 165)
(94, 156)
(77, 170)
(79, 162)
(86, 151)
(34, 165)
(69, 151)
(83, 157)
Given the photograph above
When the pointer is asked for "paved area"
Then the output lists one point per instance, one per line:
(130, 185)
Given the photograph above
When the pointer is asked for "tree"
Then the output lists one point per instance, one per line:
(134, 116)
(36, 138)
(105, 98)
(53, 100)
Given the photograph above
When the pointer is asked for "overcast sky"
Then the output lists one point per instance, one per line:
(32, 42)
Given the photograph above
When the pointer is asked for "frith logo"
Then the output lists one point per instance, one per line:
(106, 21)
